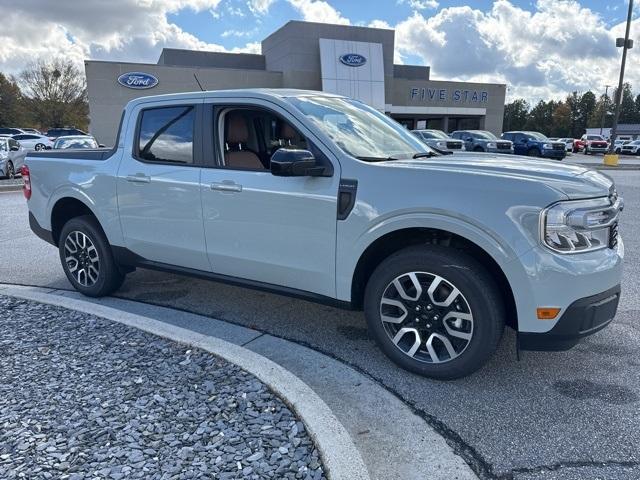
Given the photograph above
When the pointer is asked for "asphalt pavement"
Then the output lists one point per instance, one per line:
(565, 415)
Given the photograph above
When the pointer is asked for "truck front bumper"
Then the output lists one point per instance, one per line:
(582, 318)
(552, 153)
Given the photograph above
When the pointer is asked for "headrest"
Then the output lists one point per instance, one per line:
(287, 132)
(237, 130)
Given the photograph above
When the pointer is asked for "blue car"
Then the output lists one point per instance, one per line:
(535, 144)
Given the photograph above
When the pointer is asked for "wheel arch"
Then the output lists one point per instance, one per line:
(393, 241)
(66, 208)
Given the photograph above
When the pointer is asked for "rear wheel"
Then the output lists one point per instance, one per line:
(87, 259)
(534, 152)
(39, 146)
(11, 172)
(434, 311)
(478, 149)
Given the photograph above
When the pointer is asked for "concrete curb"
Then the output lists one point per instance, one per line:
(341, 458)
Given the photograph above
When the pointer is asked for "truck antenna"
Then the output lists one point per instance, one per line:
(198, 82)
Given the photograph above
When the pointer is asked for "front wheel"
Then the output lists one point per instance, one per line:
(87, 259)
(434, 311)
(534, 152)
(11, 172)
(39, 147)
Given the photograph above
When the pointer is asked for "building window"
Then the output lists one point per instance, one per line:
(166, 135)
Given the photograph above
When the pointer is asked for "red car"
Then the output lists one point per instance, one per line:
(590, 144)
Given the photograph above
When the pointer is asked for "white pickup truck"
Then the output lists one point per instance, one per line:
(321, 197)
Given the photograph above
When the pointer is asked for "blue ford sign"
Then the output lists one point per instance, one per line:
(353, 59)
(137, 80)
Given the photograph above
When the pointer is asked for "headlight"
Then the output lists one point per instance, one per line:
(581, 225)
(441, 144)
(492, 145)
(547, 146)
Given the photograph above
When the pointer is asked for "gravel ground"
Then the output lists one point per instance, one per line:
(82, 397)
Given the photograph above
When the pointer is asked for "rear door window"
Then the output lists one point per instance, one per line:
(165, 134)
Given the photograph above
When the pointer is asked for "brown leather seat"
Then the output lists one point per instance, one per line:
(236, 154)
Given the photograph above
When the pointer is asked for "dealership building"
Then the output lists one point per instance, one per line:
(347, 60)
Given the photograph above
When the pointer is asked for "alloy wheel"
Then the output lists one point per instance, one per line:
(82, 259)
(10, 171)
(426, 317)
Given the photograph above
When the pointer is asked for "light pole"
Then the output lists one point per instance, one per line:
(604, 107)
(626, 44)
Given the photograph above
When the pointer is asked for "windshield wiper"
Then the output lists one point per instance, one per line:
(377, 159)
(424, 155)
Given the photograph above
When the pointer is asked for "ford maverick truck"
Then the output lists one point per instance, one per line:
(321, 197)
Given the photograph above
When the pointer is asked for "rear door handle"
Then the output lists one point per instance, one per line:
(226, 187)
(138, 178)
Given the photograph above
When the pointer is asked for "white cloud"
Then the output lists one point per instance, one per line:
(558, 48)
(132, 30)
(421, 4)
(319, 11)
(260, 7)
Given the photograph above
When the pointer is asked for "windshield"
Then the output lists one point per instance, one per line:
(536, 136)
(359, 130)
(435, 134)
(76, 143)
(483, 135)
(594, 137)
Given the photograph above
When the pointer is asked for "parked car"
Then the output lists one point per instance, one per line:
(319, 196)
(631, 148)
(482, 141)
(535, 144)
(54, 133)
(10, 131)
(568, 142)
(31, 130)
(439, 140)
(619, 143)
(75, 141)
(12, 157)
(31, 141)
(594, 144)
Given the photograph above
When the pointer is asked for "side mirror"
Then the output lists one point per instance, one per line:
(295, 163)
(15, 148)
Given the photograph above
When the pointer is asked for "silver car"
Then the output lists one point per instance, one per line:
(11, 157)
(439, 140)
(483, 141)
(75, 141)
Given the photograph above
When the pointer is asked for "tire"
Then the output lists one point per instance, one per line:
(478, 299)
(92, 255)
(11, 172)
(39, 146)
(534, 152)
(478, 149)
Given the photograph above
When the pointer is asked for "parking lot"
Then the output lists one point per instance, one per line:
(567, 415)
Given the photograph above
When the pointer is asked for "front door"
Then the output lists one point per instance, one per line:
(260, 227)
(159, 188)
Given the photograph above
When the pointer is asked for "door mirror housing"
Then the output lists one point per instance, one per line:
(15, 148)
(295, 163)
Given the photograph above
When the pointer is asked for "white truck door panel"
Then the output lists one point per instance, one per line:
(159, 202)
(270, 229)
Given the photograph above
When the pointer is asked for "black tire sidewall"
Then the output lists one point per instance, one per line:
(534, 152)
(109, 277)
(470, 278)
(11, 171)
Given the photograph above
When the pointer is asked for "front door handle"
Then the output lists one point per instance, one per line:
(226, 187)
(138, 178)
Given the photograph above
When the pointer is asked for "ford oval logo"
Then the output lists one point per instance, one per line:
(353, 59)
(137, 80)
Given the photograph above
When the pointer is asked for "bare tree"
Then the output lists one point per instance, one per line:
(56, 93)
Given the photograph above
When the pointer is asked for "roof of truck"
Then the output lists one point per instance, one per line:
(240, 92)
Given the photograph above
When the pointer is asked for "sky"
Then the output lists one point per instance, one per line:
(541, 49)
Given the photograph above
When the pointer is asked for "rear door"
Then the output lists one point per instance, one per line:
(261, 227)
(159, 185)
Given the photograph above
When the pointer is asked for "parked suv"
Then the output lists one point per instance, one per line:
(11, 157)
(535, 144)
(439, 140)
(631, 148)
(483, 141)
(321, 197)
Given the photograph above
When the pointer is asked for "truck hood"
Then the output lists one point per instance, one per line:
(571, 180)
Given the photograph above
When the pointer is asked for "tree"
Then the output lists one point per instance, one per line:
(573, 102)
(561, 120)
(541, 117)
(11, 108)
(587, 106)
(637, 120)
(55, 93)
(627, 105)
(515, 115)
(602, 111)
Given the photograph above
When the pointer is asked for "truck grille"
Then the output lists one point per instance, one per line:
(613, 235)
(505, 146)
(559, 146)
(454, 145)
